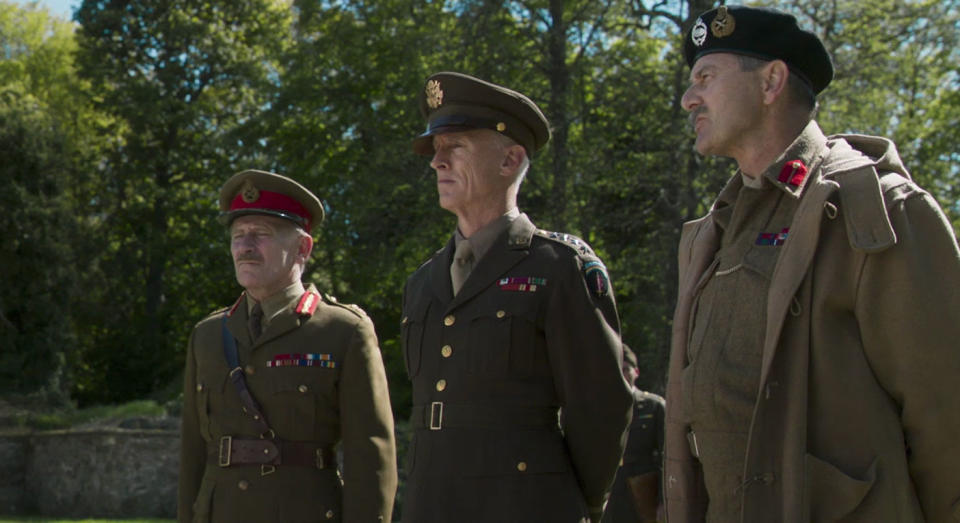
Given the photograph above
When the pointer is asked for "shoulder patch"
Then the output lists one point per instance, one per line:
(594, 271)
(595, 274)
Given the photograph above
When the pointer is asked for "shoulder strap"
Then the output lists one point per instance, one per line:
(240, 383)
(861, 197)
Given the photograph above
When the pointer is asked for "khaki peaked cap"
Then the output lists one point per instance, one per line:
(270, 194)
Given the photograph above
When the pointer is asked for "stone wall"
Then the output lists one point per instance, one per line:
(106, 472)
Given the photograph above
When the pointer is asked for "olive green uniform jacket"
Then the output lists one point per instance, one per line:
(643, 455)
(856, 416)
(344, 400)
(524, 337)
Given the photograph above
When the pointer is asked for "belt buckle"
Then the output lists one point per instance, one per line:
(226, 442)
(267, 469)
(320, 461)
(436, 415)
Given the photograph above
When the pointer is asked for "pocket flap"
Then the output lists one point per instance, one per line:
(831, 492)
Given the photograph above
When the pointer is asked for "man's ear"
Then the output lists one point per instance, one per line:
(304, 247)
(512, 160)
(774, 76)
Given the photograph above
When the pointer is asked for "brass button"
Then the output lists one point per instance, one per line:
(303, 389)
(501, 126)
(501, 314)
(522, 466)
(448, 321)
(255, 416)
(199, 387)
(329, 514)
(442, 384)
(266, 451)
(446, 351)
(243, 484)
(249, 369)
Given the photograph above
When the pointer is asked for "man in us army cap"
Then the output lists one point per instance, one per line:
(814, 364)
(502, 328)
(275, 381)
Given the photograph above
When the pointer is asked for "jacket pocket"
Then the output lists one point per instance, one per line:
(412, 329)
(291, 408)
(203, 410)
(831, 493)
(504, 340)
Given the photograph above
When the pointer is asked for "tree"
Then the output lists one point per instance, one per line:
(47, 141)
(181, 77)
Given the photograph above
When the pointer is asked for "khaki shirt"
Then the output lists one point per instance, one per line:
(726, 344)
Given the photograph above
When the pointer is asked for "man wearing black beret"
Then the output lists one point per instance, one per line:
(814, 364)
(510, 334)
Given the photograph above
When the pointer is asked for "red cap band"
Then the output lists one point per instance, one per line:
(273, 201)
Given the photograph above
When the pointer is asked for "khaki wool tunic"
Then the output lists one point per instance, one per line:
(343, 402)
(726, 344)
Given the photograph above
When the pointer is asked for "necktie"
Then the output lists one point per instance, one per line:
(461, 266)
(255, 322)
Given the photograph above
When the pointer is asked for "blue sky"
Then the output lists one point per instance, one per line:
(60, 8)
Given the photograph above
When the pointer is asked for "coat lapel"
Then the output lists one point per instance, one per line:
(439, 279)
(237, 323)
(793, 265)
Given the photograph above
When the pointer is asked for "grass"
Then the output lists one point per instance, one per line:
(70, 417)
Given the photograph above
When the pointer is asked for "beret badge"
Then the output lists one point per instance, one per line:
(249, 192)
(723, 24)
(434, 94)
(699, 33)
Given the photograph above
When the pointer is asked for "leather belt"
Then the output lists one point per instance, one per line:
(439, 415)
(270, 453)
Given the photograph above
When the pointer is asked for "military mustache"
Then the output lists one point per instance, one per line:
(692, 119)
(248, 257)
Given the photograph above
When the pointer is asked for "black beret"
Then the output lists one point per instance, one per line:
(763, 33)
(454, 102)
(270, 194)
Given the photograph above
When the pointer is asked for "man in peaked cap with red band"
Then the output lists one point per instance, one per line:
(814, 364)
(503, 328)
(274, 382)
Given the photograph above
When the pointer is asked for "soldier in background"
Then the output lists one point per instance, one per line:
(636, 495)
(274, 382)
(502, 328)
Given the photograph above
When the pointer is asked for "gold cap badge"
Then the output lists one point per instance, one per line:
(501, 126)
(434, 94)
(249, 192)
(723, 24)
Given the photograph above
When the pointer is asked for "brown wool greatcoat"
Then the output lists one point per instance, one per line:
(348, 403)
(856, 416)
(502, 360)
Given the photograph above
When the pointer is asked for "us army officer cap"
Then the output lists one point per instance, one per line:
(261, 192)
(455, 102)
(762, 33)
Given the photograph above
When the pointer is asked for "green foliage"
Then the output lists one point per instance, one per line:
(181, 78)
(112, 165)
